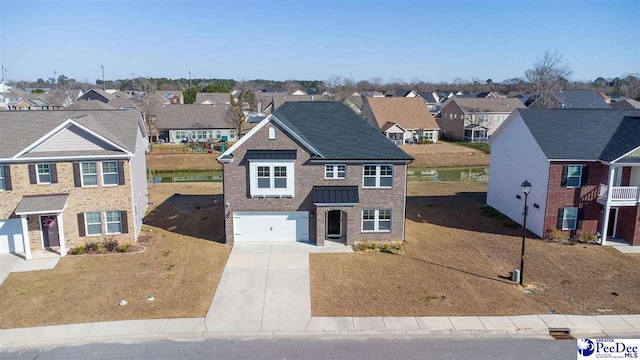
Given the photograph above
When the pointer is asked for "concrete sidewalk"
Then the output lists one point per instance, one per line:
(525, 325)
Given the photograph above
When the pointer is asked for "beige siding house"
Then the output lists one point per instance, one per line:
(77, 175)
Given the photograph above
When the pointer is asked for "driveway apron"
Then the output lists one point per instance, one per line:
(265, 286)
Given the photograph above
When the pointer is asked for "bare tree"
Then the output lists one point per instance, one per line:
(547, 76)
(235, 117)
(149, 104)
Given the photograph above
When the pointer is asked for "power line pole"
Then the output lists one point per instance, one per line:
(189, 79)
(133, 82)
(104, 86)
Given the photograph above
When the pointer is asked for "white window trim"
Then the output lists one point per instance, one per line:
(273, 133)
(86, 224)
(335, 172)
(103, 173)
(579, 177)
(38, 174)
(376, 221)
(106, 223)
(82, 174)
(271, 192)
(377, 185)
(2, 179)
(575, 223)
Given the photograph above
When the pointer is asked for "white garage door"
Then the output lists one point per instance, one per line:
(11, 236)
(271, 226)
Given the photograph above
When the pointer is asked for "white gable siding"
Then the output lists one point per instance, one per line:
(515, 157)
(73, 139)
(139, 183)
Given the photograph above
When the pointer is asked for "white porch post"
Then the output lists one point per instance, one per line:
(63, 243)
(607, 207)
(25, 237)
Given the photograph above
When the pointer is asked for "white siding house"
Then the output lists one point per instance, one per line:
(509, 168)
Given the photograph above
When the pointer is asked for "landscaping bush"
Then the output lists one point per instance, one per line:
(110, 245)
(555, 235)
(106, 246)
(124, 248)
(92, 247)
(78, 250)
(393, 247)
(587, 238)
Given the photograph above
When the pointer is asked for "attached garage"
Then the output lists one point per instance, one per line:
(271, 226)
(11, 236)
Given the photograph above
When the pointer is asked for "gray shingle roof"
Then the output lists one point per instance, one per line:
(335, 195)
(118, 126)
(192, 116)
(581, 99)
(427, 96)
(337, 132)
(217, 98)
(271, 154)
(584, 134)
(42, 203)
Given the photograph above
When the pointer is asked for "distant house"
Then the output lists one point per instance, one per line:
(213, 98)
(96, 94)
(193, 123)
(269, 102)
(432, 100)
(355, 103)
(401, 119)
(475, 119)
(171, 96)
(491, 94)
(625, 104)
(583, 165)
(55, 100)
(525, 97)
(576, 99)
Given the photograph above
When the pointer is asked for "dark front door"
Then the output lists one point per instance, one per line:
(611, 227)
(50, 234)
(334, 224)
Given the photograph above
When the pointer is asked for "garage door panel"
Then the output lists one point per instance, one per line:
(11, 236)
(271, 226)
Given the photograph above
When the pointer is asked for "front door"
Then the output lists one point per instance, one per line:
(334, 224)
(613, 221)
(50, 236)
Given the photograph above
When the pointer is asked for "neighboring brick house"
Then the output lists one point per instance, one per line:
(314, 171)
(584, 167)
(74, 176)
(401, 119)
(475, 119)
(171, 96)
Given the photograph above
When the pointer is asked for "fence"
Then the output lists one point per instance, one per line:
(482, 146)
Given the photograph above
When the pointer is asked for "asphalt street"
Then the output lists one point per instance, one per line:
(315, 348)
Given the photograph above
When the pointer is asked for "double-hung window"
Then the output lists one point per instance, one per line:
(109, 173)
(271, 179)
(44, 173)
(335, 171)
(569, 218)
(377, 176)
(93, 223)
(376, 220)
(89, 173)
(574, 175)
(114, 222)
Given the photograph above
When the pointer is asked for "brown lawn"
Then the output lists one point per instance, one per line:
(180, 268)
(444, 154)
(179, 161)
(455, 257)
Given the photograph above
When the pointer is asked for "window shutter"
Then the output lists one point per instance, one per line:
(32, 174)
(81, 230)
(120, 172)
(580, 217)
(76, 175)
(560, 216)
(585, 175)
(7, 177)
(54, 173)
(565, 172)
(124, 221)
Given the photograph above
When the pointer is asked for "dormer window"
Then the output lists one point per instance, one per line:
(272, 133)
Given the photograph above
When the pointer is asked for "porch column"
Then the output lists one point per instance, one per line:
(63, 244)
(25, 237)
(607, 208)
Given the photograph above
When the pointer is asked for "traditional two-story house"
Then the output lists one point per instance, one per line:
(72, 176)
(584, 167)
(314, 171)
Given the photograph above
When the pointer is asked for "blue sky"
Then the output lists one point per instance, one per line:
(429, 40)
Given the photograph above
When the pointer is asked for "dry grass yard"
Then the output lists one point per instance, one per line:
(455, 257)
(444, 154)
(181, 268)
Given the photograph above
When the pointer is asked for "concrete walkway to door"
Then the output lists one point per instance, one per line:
(265, 286)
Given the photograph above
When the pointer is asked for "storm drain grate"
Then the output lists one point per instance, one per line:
(561, 333)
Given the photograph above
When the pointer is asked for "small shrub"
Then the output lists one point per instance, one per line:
(110, 245)
(361, 246)
(555, 235)
(386, 247)
(373, 246)
(124, 248)
(587, 238)
(78, 250)
(92, 247)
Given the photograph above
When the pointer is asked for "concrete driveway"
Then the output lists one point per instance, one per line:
(265, 286)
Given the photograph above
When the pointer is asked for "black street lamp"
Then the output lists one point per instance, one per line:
(526, 187)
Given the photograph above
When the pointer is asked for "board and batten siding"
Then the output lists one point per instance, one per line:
(76, 138)
(516, 157)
